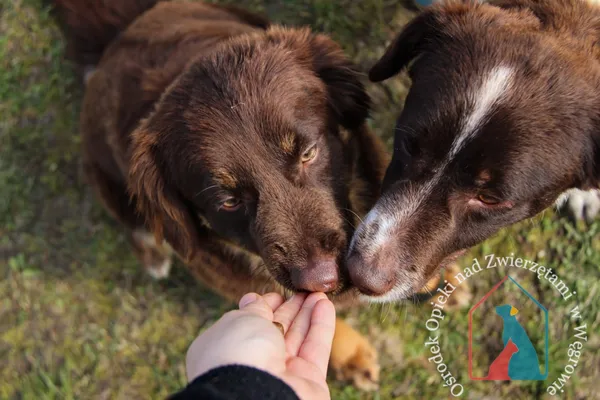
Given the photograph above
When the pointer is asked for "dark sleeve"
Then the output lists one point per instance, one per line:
(237, 382)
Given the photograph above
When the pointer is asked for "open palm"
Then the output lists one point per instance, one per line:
(248, 337)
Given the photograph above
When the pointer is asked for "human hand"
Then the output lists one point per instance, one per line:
(248, 337)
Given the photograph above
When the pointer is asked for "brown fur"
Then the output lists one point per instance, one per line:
(193, 103)
(122, 151)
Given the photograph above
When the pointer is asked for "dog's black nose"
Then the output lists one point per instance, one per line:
(320, 275)
(370, 276)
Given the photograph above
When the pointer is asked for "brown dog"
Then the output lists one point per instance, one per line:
(243, 146)
(502, 118)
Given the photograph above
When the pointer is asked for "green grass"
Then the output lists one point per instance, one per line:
(80, 319)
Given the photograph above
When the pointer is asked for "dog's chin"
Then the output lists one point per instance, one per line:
(281, 276)
(403, 290)
(342, 290)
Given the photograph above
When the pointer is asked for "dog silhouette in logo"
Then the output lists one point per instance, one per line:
(499, 368)
(523, 364)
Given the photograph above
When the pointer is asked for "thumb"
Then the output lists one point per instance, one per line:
(255, 304)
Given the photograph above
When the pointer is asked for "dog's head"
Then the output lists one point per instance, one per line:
(250, 143)
(501, 118)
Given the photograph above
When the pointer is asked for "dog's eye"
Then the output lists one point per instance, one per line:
(488, 200)
(231, 204)
(411, 146)
(309, 155)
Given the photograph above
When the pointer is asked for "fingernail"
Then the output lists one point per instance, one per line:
(247, 299)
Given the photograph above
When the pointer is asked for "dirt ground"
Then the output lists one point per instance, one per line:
(79, 319)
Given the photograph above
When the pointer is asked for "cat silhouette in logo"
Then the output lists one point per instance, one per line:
(499, 368)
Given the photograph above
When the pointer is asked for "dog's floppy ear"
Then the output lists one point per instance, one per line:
(152, 188)
(437, 22)
(407, 45)
(348, 98)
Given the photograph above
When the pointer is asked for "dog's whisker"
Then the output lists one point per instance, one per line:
(405, 307)
(389, 307)
(350, 222)
(406, 129)
(357, 216)
(428, 291)
(207, 188)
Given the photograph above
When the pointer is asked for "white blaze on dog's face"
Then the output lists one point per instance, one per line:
(497, 124)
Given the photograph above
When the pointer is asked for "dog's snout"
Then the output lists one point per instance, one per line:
(319, 275)
(373, 277)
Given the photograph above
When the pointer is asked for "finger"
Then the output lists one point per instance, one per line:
(286, 313)
(274, 300)
(316, 348)
(247, 299)
(299, 329)
(305, 373)
(257, 306)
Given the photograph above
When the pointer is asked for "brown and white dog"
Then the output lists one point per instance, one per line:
(503, 117)
(244, 146)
